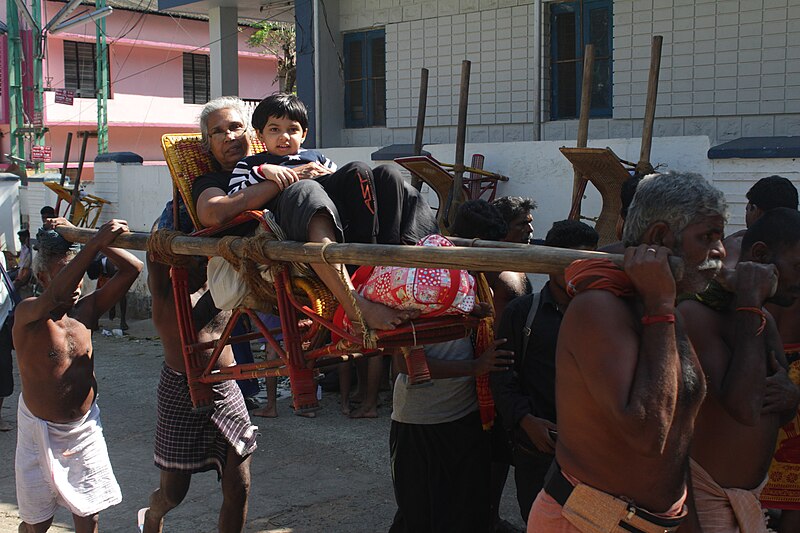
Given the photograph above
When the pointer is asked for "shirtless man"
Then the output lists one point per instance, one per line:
(767, 193)
(749, 393)
(628, 384)
(188, 442)
(57, 407)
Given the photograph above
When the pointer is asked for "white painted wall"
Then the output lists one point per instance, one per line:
(734, 177)
(730, 68)
(9, 213)
(540, 171)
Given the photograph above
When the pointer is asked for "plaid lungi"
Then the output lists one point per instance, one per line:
(192, 441)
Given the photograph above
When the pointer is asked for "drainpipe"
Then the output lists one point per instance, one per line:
(315, 4)
(537, 70)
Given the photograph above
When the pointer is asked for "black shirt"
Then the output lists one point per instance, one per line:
(529, 386)
(211, 180)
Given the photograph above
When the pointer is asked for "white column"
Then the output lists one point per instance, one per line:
(223, 32)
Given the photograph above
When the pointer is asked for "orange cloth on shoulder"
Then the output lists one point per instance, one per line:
(597, 274)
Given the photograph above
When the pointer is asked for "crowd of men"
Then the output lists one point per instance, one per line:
(644, 397)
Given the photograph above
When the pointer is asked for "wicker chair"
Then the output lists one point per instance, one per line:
(304, 346)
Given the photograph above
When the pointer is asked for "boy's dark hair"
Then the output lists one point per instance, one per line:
(778, 228)
(47, 210)
(626, 193)
(478, 219)
(571, 234)
(511, 207)
(771, 192)
(281, 105)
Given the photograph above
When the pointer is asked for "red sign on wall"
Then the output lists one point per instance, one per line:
(41, 154)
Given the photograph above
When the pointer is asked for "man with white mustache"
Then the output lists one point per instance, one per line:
(628, 382)
(749, 392)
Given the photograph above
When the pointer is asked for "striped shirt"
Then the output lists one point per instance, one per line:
(247, 173)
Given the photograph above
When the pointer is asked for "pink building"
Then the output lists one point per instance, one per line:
(159, 72)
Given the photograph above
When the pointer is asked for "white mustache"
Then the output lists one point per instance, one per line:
(710, 264)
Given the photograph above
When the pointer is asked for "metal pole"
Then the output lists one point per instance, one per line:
(17, 142)
(101, 61)
(38, 85)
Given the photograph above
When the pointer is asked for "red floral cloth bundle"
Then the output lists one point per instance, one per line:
(432, 291)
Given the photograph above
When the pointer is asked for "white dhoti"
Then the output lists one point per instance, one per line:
(62, 464)
(723, 510)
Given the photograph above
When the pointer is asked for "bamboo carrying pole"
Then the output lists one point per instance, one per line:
(423, 103)
(483, 255)
(578, 182)
(461, 138)
(644, 166)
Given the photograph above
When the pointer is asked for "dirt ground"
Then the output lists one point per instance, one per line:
(328, 474)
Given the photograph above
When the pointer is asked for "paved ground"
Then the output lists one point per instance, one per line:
(328, 474)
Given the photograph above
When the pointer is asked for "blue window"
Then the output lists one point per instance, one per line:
(573, 25)
(365, 79)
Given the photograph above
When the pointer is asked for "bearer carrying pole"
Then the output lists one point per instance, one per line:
(644, 167)
(578, 181)
(481, 256)
(423, 102)
(452, 204)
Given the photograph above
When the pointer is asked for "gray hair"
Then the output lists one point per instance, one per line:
(218, 104)
(44, 258)
(676, 198)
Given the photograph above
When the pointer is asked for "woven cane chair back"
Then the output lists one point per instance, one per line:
(188, 159)
(606, 172)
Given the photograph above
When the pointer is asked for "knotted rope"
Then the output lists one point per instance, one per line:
(159, 245)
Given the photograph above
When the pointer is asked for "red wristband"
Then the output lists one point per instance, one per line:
(758, 311)
(658, 319)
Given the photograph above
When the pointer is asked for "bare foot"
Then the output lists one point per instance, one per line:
(365, 412)
(345, 406)
(306, 414)
(382, 317)
(268, 411)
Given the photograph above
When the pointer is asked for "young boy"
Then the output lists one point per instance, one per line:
(367, 205)
(61, 453)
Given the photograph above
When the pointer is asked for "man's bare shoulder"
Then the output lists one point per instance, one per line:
(597, 316)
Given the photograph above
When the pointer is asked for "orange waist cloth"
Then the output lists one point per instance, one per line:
(545, 515)
(602, 274)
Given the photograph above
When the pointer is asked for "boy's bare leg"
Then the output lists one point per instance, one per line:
(270, 410)
(345, 384)
(369, 407)
(173, 489)
(376, 316)
(41, 527)
(85, 524)
(235, 490)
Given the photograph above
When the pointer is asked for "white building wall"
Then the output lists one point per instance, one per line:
(730, 68)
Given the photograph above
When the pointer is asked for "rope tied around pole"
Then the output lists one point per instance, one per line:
(248, 265)
(159, 245)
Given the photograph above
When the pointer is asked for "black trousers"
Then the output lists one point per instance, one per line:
(441, 477)
(6, 365)
(530, 469)
(367, 206)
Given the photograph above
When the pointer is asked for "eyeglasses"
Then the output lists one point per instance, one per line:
(221, 135)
